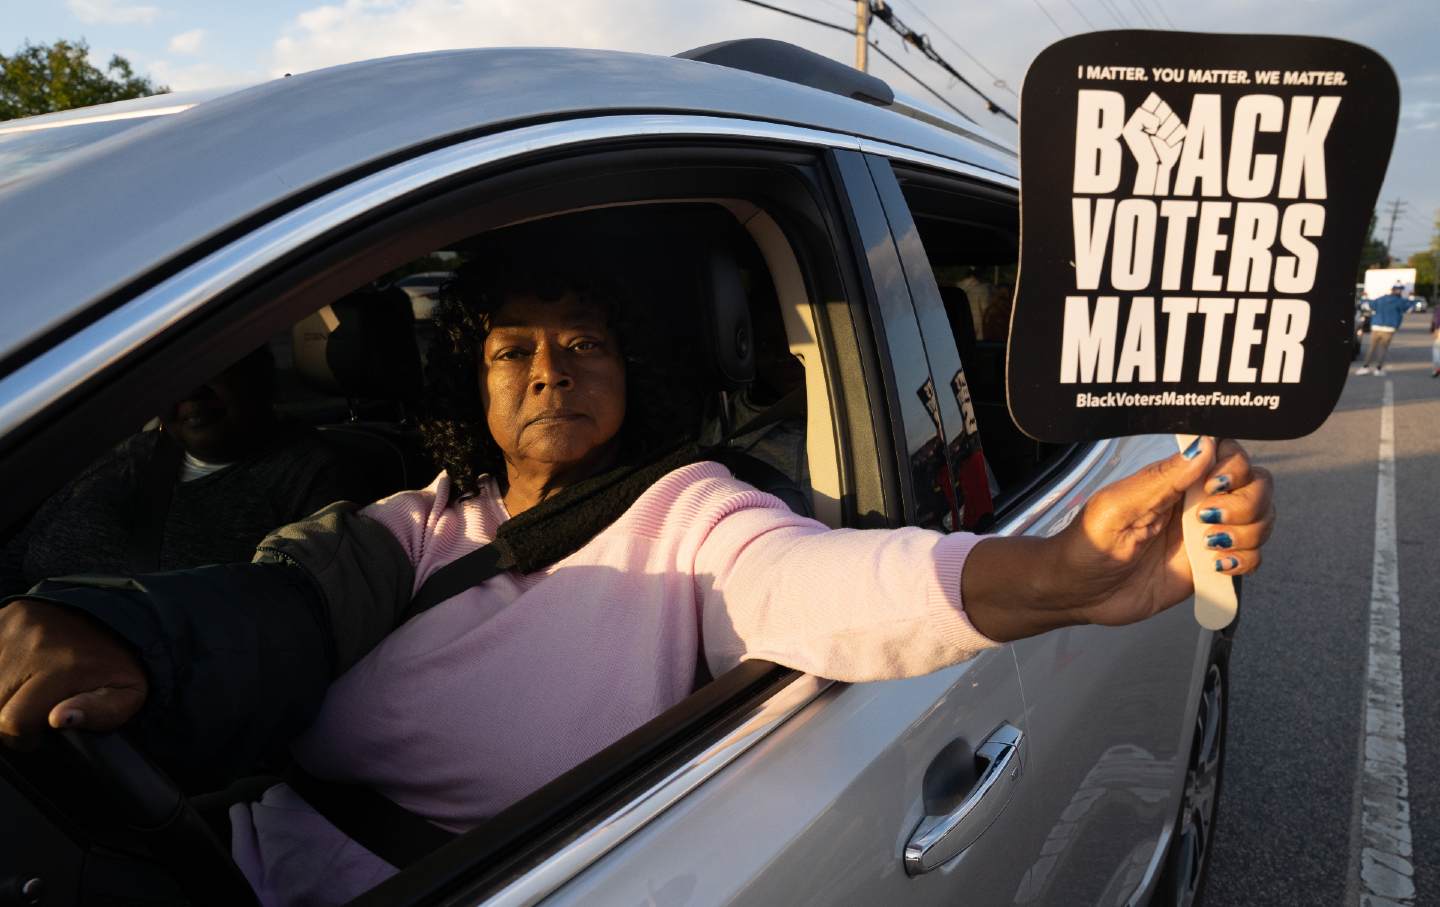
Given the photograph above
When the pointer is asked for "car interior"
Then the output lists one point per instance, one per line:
(972, 242)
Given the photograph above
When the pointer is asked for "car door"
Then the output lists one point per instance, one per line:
(1111, 710)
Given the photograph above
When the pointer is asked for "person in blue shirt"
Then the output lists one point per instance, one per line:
(1435, 342)
(1389, 309)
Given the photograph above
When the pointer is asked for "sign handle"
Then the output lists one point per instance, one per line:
(1215, 599)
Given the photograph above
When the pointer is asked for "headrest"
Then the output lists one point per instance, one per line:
(675, 264)
(362, 346)
(724, 307)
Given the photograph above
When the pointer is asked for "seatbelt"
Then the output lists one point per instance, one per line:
(384, 827)
(472, 569)
(371, 819)
(465, 572)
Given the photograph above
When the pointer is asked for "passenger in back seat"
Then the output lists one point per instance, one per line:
(205, 488)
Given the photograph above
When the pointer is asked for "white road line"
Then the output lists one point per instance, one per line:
(1387, 876)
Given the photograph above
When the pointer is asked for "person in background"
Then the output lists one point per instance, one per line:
(983, 297)
(1435, 342)
(997, 316)
(1389, 309)
(221, 472)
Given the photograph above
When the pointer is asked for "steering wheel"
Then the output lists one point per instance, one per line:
(143, 804)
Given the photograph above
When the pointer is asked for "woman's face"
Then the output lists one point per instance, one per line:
(553, 385)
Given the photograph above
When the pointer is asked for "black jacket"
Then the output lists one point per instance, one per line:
(239, 656)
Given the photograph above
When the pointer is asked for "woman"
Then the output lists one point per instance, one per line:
(495, 690)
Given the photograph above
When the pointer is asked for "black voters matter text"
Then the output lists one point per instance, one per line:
(1199, 184)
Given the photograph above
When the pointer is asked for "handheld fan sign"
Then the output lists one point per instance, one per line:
(1193, 208)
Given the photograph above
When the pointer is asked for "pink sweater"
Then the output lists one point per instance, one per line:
(484, 698)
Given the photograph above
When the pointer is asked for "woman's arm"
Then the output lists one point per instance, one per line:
(1123, 558)
(881, 604)
(853, 605)
(228, 662)
(218, 666)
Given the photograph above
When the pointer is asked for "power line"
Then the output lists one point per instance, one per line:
(991, 105)
(882, 11)
(1161, 7)
(1079, 12)
(1047, 15)
(999, 82)
(838, 5)
(1113, 9)
(916, 79)
(1396, 207)
(1144, 16)
(813, 21)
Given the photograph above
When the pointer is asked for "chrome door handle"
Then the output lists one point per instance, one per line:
(940, 839)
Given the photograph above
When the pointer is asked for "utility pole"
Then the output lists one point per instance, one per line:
(1397, 207)
(862, 35)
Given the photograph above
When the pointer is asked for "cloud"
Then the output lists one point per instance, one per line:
(1419, 114)
(189, 76)
(343, 31)
(188, 42)
(352, 30)
(111, 12)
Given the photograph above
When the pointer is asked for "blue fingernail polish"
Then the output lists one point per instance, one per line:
(1193, 450)
(1226, 563)
(1209, 515)
(1218, 540)
(1220, 565)
(1222, 483)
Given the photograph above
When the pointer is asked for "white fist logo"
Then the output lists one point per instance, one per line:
(1155, 136)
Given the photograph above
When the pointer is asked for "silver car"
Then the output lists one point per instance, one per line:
(148, 244)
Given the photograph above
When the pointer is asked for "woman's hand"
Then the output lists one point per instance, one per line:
(62, 669)
(1123, 557)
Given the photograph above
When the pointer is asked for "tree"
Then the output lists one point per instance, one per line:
(1374, 254)
(1426, 264)
(41, 78)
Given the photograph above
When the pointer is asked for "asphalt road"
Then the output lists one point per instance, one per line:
(1289, 823)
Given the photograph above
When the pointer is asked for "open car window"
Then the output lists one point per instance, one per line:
(971, 239)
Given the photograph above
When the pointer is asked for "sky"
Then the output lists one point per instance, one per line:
(207, 43)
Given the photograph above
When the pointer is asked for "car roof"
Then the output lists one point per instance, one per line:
(100, 217)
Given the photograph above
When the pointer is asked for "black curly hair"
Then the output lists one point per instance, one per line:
(664, 402)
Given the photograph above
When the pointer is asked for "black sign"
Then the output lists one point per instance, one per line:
(1192, 213)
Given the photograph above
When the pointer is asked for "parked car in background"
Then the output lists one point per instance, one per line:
(423, 290)
(1079, 767)
(1363, 311)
